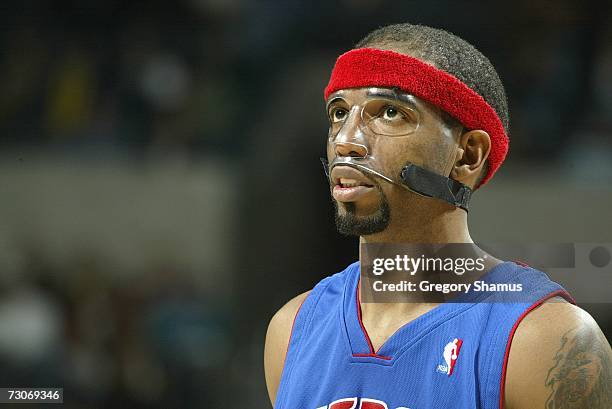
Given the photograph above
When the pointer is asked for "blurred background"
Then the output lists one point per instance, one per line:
(161, 194)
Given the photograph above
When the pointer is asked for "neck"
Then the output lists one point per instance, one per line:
(433, 222)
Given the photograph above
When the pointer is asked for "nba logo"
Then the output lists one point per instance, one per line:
(450, 355)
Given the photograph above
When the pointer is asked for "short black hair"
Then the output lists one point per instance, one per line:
(448, 53)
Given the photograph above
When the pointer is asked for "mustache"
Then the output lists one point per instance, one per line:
(351, 162)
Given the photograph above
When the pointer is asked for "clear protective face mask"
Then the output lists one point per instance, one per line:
(385, 113)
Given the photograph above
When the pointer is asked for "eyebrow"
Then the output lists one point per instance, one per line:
(389, 94)
(393, 95)
(334, 99)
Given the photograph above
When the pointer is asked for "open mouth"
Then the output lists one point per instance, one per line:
(347, 183)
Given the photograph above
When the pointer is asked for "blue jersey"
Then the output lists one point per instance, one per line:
(453, 356)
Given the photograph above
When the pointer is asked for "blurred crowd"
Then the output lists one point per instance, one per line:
(238, 82)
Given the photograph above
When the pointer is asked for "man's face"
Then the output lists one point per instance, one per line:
(381, 129)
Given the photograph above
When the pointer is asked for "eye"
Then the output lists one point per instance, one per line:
(338, 114)
(390, 113)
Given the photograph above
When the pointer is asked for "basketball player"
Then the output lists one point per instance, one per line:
(418, 119)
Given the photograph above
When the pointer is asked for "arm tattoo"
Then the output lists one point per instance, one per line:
(581, 376)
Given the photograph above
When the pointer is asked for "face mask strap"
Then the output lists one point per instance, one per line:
(430, 184)
(418, 180)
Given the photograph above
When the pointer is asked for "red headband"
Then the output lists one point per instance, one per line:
(369, 67)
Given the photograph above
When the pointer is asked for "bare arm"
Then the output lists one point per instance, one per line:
(277, 340)
(559, 359)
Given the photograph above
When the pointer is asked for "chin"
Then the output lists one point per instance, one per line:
(350, 223)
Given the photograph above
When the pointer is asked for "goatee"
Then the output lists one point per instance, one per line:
(350, 224)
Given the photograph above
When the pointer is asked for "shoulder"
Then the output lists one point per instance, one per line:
(281, 325)
(559, 358)
(277, 340)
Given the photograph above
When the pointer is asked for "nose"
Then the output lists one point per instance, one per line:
(352, 149)
(350, 140)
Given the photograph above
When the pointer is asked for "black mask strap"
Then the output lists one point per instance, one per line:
(428, 183)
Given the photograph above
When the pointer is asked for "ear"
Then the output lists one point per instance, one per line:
(472, 153)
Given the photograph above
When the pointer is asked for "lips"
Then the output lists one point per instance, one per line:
(349, 185)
